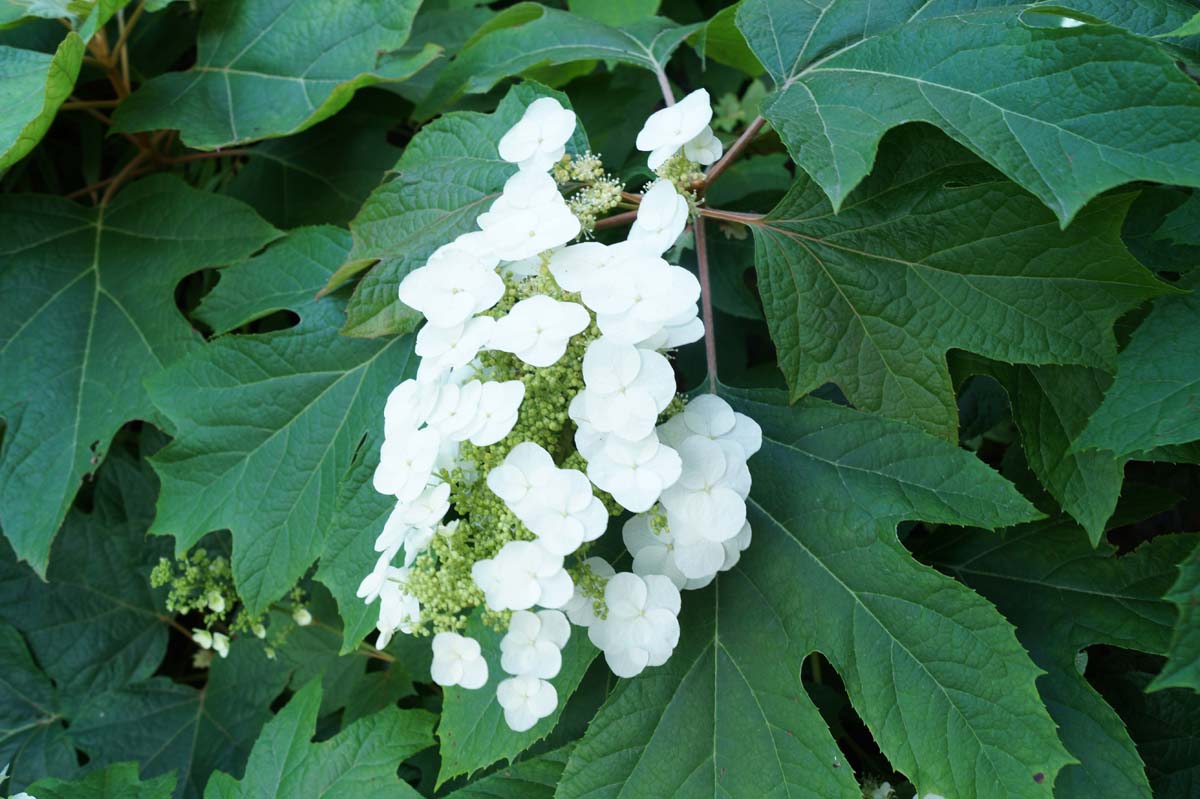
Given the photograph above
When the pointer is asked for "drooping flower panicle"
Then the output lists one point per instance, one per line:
(539, 410)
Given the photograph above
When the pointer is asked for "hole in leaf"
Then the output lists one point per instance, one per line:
(859, 750)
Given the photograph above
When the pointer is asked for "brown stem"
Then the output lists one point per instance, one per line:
(734, 150)
(706, 308)
(371, 652)
(83, 105)
(631, 197)
(617, 220)
(123, 39)
(183, 159)
(184, 631)
(99, 184)
(125, 173)
(120, 53)
(732, 216)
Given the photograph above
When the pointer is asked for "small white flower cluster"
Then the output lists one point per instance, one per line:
(598, 318)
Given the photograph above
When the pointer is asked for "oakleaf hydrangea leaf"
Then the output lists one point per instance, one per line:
(86, 314)
(357, 763)
(472, 733)
(267, 424)
(175, 729)
(1063, 596)
(933, 253)
(1166, 727)
(98, 632)
(1155, 398)
(358, 518)
(449, 174)
(33, 738)
(933, 670)
(96, 624)
(32, 87)
(531, 35)
(320, 176)
(533, 778)
(1183, 657)
(118, 781)
(1033, 101)
(275, 67)
(1051, 405)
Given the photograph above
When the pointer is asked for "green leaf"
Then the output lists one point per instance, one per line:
(267, 425)
(33, 738)
(98, 632)
(32, 87)
(1189, 28)
(86, 314)
(358, 763)
(1182, 225)
(721, 41)
(530, 35)
(449, 174)
(1183, 656)
(472, 732)
(1145, 17)
(535, 778)
(1156, 394)
(118, 781)
(614, 12)
(933, 670)
(1035, 102)
(933, 253)
(358, 518)
(347, 681)
(174, 729)
(1063, 595)
(1051, 405)
(320, 176)
(1166, 727)
(275, 67)
(95, 624)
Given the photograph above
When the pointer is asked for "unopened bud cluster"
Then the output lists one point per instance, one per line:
(203, 585)
(544, 405)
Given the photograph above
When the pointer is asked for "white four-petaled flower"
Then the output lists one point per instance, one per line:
(532, 647)
(458, 660)
(526, 701)
(626, 388)
(642, 625)
(666, 131)
(538, 329)
(523, 574)
(538, 140)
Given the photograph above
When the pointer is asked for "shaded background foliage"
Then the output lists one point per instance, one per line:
(972, 571)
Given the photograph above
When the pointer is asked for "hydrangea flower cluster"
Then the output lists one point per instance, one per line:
(545, 404)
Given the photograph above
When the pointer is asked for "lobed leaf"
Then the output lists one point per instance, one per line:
(1155, 398)
(1182, 669)
(1063, 595)
(118, 781)
(275, 67)
(357, 763)
(932, 669)
(267, 425)
(86, 314)
(934, 253)
(531, 35)
(1043, 104)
